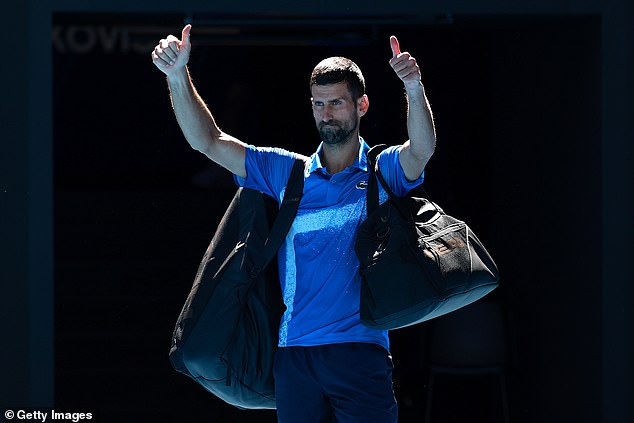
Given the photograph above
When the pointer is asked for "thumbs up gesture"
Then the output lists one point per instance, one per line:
(171, 54)
(404, 65)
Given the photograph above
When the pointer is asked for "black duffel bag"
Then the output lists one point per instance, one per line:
(227, 332)
(416, 262)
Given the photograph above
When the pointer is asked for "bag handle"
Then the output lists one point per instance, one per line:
(285, 216)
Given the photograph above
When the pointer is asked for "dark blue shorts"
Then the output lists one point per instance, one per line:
(343, 383)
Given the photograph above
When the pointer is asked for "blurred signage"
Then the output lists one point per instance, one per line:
(109, 39)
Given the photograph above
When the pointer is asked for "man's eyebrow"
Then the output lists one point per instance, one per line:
(330, 100)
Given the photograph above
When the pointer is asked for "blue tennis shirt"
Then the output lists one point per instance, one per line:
(319, 270)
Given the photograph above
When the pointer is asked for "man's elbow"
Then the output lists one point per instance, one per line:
(423, 153)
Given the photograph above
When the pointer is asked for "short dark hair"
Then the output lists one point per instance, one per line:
(337, 69)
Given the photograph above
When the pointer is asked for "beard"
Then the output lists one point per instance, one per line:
(333, 132)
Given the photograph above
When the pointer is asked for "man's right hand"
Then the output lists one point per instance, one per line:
(171, 54)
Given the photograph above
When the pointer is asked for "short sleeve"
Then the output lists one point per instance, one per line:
(391, 169)
(268, 170)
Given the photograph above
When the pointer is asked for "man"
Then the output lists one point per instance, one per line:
(328, 367)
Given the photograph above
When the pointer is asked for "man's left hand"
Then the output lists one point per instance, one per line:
(404, 65)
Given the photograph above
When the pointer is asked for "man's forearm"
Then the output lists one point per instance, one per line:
(420, 124)
(417, 151)
(196, 122)
(192, 115)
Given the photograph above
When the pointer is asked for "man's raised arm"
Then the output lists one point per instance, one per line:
(194, 118)
(420, 123)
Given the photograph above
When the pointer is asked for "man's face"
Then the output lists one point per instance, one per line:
(336, 113)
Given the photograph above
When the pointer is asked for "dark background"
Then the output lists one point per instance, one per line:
(520, 110)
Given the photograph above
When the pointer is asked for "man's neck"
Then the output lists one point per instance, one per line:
(337, 157)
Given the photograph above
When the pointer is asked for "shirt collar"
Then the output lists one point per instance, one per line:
(361, 162)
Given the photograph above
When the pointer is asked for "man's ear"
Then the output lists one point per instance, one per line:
(362, 104)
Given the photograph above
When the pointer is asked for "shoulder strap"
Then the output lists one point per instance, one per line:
(372, 202)
(285, 216)
(373, 188)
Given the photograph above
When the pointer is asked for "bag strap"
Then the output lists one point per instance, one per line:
(285, 216)
(373, 188)
(372, 202)
(280, 227)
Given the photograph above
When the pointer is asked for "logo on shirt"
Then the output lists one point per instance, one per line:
(362, 185)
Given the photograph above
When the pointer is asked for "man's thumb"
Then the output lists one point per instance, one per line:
(396, 49)
(185, 35)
